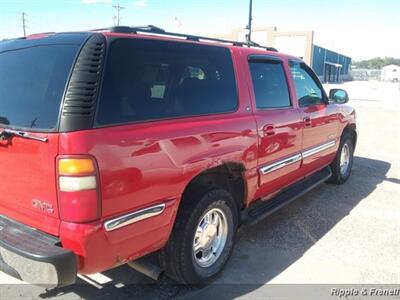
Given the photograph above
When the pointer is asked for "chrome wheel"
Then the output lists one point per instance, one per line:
(210, 237)
(344, 159)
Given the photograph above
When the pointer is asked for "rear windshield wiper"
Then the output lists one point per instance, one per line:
(7, 134)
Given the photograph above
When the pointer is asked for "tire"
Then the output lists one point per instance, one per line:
(340, 173)
(177, 258)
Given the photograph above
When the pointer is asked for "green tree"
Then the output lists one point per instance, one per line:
(376, 63)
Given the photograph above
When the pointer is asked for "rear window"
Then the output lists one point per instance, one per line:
(150, 80)
(32, 82)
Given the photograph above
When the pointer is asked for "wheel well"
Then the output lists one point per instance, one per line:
(227, 176)
(351, 129)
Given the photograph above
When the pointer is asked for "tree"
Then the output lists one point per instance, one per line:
(376, 63)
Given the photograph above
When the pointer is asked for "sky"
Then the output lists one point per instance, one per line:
(361, 29)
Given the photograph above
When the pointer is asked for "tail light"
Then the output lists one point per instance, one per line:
(78, 189)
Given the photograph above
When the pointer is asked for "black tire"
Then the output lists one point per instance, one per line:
(338, 176)
(177, 258)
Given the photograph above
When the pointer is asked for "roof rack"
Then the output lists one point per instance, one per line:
(159, 31)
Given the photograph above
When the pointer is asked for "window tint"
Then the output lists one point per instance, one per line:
(156, 76)
(270, 86)
(149, 79)
(307, 90)
(32, 82)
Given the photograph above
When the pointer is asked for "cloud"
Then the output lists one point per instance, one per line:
(95, 1)
(140, 3)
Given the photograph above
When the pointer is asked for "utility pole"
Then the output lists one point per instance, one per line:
(118, 8)
(23, 23)
(248, 27)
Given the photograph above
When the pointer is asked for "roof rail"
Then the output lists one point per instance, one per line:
(159, 31)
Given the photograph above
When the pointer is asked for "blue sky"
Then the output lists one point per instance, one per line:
(360, 29)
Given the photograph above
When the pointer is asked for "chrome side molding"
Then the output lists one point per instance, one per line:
(280, 164)
(315, 150)
(295, 158)
(134, 217)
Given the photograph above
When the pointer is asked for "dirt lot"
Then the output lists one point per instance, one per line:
(334, 234)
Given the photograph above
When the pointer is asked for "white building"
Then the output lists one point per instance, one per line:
(390, 73)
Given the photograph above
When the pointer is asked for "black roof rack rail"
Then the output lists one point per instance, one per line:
(159, 31)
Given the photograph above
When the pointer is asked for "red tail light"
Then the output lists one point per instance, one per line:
(78, 189)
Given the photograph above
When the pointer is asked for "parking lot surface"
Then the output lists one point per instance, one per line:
(347, 234)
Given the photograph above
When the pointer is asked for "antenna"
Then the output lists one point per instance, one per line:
(248, 36)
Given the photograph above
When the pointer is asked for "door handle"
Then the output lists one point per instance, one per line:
(269, 130)
(307, 121)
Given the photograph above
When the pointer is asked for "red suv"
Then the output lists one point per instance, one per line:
(118, 143)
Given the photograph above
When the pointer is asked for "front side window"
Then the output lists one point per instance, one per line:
(151, 80)
(270, 86)
(307, 89)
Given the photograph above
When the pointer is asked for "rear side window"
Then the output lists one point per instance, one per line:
(270, 86)
(32, 83)
(150, 80)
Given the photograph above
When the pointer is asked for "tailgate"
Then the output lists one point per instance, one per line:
(28, 186)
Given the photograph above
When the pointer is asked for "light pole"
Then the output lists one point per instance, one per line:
(248, 27)
(23, 23)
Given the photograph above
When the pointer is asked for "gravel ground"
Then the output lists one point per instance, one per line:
(347, 234)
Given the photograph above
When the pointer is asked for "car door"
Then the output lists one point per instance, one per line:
(279, 124)
(320, 120)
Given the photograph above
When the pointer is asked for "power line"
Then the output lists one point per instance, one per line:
(118, 8)
(23, 23)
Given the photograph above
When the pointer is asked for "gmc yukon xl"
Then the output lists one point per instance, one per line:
(123, 142)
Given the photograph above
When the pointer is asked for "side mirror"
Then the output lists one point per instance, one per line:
(338, 96)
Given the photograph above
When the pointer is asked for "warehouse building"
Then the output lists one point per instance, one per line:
(330, 66)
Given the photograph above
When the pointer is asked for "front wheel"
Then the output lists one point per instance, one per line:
(203, 236)
(343, 163)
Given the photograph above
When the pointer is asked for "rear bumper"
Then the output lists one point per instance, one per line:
(33, 256)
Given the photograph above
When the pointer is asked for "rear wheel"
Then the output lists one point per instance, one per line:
(343, 163)
(203, 236)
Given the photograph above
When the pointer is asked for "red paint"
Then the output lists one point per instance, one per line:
(149, 163)
(27, 173)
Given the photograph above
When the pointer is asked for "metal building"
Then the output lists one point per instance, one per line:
(329, 65)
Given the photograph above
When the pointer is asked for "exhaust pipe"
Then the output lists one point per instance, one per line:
(146, 266)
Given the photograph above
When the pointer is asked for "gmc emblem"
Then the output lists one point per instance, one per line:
(43, 206)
